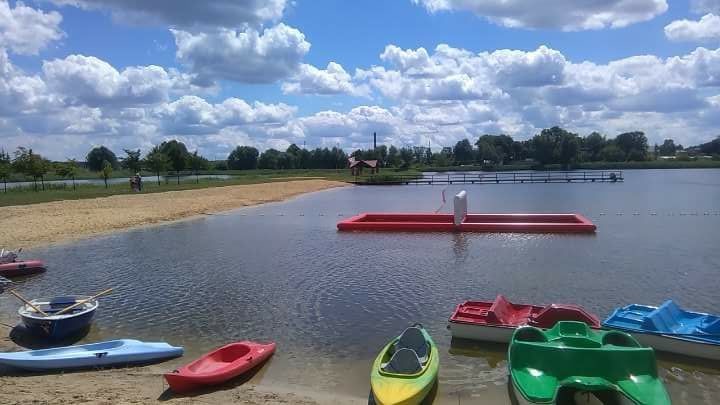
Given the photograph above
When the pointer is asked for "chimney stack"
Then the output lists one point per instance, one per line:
(374, 140)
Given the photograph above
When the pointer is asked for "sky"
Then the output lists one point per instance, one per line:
(216, 74)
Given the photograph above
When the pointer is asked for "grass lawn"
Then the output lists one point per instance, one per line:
(56, 192)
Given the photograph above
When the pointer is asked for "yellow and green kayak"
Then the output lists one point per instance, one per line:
(406, 369)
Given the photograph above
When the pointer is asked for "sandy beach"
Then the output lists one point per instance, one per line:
(64, 221)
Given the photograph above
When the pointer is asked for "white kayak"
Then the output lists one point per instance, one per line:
(102, 354)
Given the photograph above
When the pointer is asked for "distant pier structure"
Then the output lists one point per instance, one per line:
(576, 176)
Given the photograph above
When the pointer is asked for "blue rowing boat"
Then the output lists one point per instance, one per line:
(54, 326)
(102, 354)
(670, 328)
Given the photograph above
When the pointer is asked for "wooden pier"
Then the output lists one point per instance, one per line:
(584, 176)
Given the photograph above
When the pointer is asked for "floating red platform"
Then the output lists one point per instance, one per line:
(521, 223)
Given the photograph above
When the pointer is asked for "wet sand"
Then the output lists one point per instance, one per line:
(63, 221)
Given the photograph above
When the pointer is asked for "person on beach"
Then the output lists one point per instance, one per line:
(138, 178)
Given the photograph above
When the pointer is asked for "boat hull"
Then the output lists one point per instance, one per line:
(215, 368)
(497, 334)
(102, 354)
(581, 399)
(60, 328)
(682, 347)
(21, 268)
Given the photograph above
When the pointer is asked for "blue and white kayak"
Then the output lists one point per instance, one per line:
(669, 328)
(102, 354)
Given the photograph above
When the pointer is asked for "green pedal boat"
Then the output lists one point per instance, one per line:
(573, 364)
(406, 369)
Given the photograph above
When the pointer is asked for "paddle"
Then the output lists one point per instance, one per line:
(30, 304)
(77, 304)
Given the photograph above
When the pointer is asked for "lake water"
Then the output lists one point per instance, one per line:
(331, 300)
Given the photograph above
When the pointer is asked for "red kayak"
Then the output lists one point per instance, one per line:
(219, 366)
(21, 268)
(495, 321)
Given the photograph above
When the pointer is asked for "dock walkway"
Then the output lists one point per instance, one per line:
(584, 176)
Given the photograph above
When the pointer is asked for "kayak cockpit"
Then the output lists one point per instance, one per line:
(223, 357)
(408, 355)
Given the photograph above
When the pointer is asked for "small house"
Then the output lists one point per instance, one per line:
(357, 166)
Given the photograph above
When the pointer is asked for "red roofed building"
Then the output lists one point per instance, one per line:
(356, 166)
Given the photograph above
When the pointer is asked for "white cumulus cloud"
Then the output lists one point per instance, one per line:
(91, 81)
(706, 29)
(194, 115)
(568, 15)
(706, 6)
(248, 56)
(26, 30)
(331, 80)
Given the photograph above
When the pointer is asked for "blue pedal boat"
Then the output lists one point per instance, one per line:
(669, 328)
(53, 326)
(103, 354)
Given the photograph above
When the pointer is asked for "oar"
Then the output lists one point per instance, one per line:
(77, 304)
(30, 304)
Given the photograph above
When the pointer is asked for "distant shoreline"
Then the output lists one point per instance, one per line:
(647, 165)
(64, 221)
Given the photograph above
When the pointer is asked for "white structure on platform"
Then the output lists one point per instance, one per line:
(460, 208)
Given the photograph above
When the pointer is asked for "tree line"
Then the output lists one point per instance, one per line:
(551, 146)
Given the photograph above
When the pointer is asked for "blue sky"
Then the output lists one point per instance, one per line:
(216, 74)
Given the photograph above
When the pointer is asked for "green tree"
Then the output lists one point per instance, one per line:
(106, 172)
(131, 161)
(569, 149)
(393, 157)
(520, 150)
(503, 144)
(712, 147)
(633, 144)
(176, 153)
(544, 146)
(555, 145)
(667, 148)
(593, 144)
(156, 161)
(612, 153)
(488, 152)
(97, 157)
(269, 159)
(463, 152)
(31, 164)
(382, 154)
(68, 170)
(406, 157)
(441, 159)
(197, 163)
(243, 158)
(5, 167)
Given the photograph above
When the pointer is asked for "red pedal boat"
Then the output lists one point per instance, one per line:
(21, 268)
(495, 321)
(219, 366)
